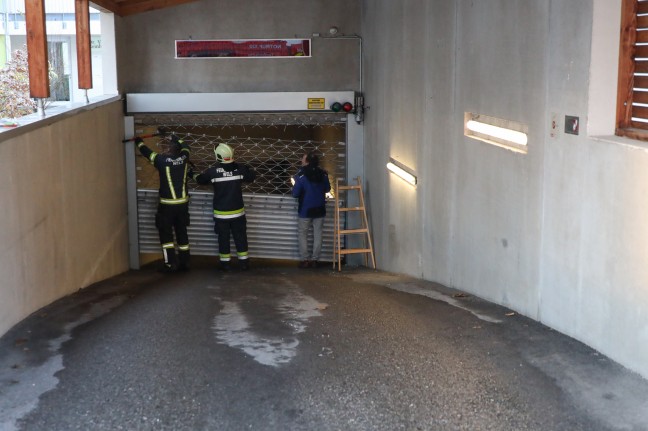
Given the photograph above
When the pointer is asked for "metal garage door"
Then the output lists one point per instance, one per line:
(273, 145)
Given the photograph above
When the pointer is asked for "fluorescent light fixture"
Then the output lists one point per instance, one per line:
(402, 173)
(497, 132)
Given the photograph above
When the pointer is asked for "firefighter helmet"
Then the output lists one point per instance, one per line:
(224, 153)
(175, 147)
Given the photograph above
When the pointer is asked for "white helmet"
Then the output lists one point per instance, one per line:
(224, 153)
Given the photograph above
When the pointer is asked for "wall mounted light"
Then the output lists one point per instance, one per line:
(497, 131)
(401, 172)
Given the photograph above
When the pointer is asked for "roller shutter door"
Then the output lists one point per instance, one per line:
(273, 146)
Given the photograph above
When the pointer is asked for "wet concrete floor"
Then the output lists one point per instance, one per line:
(282, 348)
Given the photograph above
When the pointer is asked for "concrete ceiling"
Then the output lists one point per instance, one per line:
(132, 7)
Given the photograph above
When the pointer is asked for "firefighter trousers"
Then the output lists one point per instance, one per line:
(170, 219)
(237, 227)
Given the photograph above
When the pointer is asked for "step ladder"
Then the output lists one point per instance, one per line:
(341, 231)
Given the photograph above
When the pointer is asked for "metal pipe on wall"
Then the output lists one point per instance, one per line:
(359, 97)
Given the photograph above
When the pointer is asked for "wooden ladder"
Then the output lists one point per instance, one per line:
(339, 232)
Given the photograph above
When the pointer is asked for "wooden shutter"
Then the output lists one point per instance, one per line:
(632, 95)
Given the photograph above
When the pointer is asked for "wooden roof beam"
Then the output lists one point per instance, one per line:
(107, 6)
(133, 7)
(84, 55)
(37, 49)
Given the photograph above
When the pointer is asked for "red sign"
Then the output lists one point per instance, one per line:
(243, 48)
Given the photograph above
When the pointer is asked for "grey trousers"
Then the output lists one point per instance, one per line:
(303, 228)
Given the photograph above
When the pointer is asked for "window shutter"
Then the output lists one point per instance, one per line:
(632, 102)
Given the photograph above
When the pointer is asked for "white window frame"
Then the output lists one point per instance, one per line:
(604, 69)
(110, 89)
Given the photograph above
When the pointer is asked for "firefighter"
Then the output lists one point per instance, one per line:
(173, 207)
(226, 177)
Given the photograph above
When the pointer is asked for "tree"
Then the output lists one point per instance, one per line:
(14, 87)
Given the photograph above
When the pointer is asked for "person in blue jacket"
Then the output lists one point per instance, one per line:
(311, 185)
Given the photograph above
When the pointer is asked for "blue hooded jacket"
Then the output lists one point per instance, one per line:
(311, 186)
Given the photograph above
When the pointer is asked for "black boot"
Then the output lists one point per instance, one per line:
(166, 268)
(184, 260)
(170, 260)
(244, 264)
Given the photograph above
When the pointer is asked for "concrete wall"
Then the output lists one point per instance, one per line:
(63, 210)
(557, 234)
(146, 46)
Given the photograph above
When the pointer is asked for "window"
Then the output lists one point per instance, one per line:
(632, 94)
(62, 51)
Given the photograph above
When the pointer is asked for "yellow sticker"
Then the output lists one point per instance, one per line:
(316, 103)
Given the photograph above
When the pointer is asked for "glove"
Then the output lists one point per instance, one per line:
(138, 141)
(191, 174)
(176, 141)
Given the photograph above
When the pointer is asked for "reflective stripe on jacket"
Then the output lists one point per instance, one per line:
(226, 179)
(173, 174)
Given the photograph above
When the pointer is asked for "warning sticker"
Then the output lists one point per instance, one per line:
(316, 103)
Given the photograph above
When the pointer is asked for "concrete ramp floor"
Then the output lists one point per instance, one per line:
(282, 348)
